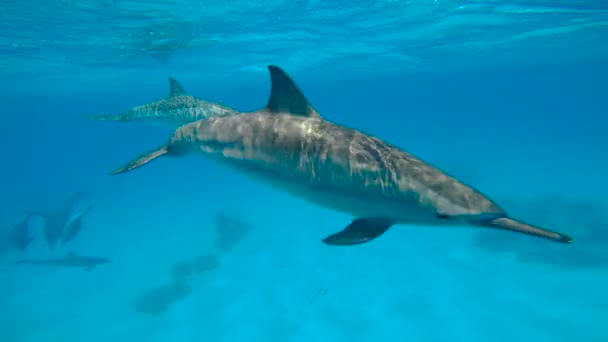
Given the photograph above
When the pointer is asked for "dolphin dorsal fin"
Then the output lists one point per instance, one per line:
(175, 88)
(285, 97)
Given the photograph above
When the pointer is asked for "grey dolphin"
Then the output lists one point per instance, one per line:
(59, 219)
(20, 236)
(289, 146)
(74, 226)
(70, 260)
(178, 108)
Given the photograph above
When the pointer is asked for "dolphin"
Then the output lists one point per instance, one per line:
(289, 146)
(69, 260)
(74, 226)
(179, 107)
(20, 236)
(59, 219)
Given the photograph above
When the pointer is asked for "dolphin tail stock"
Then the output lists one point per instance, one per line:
(106, 117)
(142, 160)
(507, 223)
(33, 262)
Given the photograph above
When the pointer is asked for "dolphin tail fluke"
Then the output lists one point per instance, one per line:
(146, 158)
(521, 227)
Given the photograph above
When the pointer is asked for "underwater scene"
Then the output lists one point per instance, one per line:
(304, 170)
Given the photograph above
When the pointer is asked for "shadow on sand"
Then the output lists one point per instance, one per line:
(231, 230)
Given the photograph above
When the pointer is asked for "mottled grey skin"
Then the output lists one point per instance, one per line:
(174, 110)
(289, 146)
(70, 260)
(332, 165)
(58, 220)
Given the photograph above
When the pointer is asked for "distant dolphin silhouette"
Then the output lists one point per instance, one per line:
(289, 146)
(178, 108)
(20, 236)
(74, 226)
(58, 220)
(70, 260)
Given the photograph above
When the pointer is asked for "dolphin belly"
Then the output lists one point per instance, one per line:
(407, 211)
(349, 201)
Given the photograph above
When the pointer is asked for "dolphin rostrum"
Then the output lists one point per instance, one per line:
(179, 107)
(288, 145)
(69, 260)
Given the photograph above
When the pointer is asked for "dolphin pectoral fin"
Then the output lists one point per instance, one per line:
(146, 158)
(521, 227)
(359, 231)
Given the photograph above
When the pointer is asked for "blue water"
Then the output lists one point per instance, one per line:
(509, 96)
